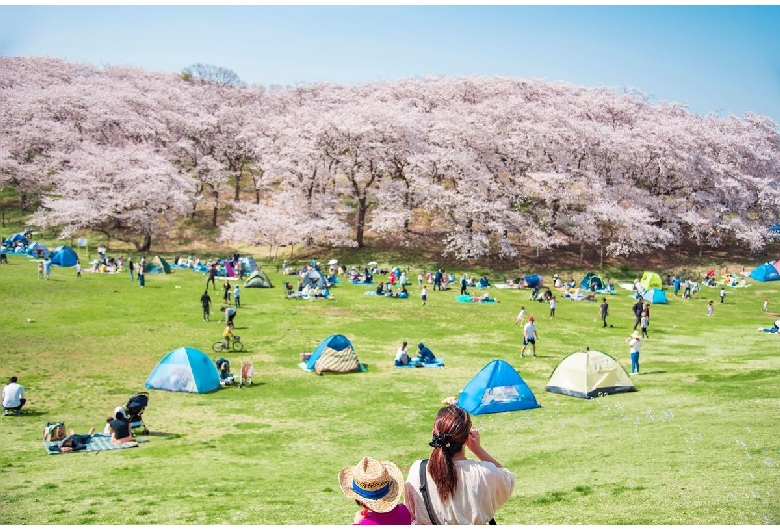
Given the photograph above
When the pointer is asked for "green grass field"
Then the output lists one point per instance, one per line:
(697, 444)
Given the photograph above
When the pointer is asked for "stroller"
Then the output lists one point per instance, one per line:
(247, 371)
(135, 409)
(223, 368)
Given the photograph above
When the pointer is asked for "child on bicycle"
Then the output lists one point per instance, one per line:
(227, 334)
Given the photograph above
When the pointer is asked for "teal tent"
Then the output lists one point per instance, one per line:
(157, 265)
(185, 370)
(765, 273)
(592, 279)
(64, 257)
(655, 296)
(334, 354)
(496, 388)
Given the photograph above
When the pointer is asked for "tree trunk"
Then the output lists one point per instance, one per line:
(601, 258)
(361, 221)
(582, 251)
(145, 245)
(238, 184)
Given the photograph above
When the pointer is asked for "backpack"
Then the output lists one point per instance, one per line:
(54, 431)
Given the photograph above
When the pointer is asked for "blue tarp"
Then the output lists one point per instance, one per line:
(496, 388)
(532, 280)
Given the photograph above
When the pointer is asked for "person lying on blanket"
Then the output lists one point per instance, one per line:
(76, 442)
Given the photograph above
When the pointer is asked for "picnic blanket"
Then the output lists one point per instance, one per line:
(370, 293)
(438, 363)
(466, 298)
(360, 282)
(98, 442)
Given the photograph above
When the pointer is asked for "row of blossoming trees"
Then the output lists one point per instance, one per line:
(491, 165)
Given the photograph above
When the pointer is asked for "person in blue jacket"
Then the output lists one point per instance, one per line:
(424, 355)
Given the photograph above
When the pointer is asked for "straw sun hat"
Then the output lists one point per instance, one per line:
(375, 484)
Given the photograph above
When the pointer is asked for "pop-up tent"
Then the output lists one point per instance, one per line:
(258, 279)
(496, 388)
(250, 265)
(64, 257)
(587, 374)
(37, 250)
(592, 279)
(157, 265)
(313, 278)
(766, 272)
(651, 280)
(185, 370)
(532, 280)
(655, 296)
(334, 354)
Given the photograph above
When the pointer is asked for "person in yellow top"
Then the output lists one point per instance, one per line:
(227, 335)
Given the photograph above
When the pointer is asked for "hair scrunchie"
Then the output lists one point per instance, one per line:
(440, 441)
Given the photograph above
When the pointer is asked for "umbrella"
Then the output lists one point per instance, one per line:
(333, 262)
(372, 262)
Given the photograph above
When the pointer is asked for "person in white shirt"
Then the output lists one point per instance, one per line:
(13, 397)
(520, 316)
(402, 356)
(460, 491)
(530, 336)
(634, 343)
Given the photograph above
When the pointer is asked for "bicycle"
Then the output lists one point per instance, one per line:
(224, 345)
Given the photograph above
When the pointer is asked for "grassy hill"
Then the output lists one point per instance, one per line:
(697, 444)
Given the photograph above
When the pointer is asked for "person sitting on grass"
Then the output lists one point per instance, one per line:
(120, 430)
(424, 355)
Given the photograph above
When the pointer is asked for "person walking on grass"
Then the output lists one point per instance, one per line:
(722, 294)
(710, 308)
(603, 312)
(78, 269)
(766, 305)
(205, 302)
(520, 316)
(40, 270)
(634, 343)
(530, 336)
(644, 322)
(130, 267)
(237, 296)
(552, 307)
(637, 308)
(141, 276)
(424, 294)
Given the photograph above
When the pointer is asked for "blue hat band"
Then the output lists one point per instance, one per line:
(371, 494)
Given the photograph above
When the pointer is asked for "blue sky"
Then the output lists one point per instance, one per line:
(711, 58)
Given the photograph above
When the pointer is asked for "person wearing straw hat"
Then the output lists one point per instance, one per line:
(634, 343)
(376, 487)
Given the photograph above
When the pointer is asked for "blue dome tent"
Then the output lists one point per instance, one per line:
(496, 388)
(37, 250)
(655, 296)
(592, 279)
(765, 273)
(185, 369)
(334, 354)
(64, 257)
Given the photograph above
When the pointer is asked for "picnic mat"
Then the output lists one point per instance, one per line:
(98, 442)
(370, 293)
(438, 363)
(466, 298)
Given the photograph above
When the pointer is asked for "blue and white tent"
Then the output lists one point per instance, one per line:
(334, 354)
(765, 273)
(185, 369)
(655, 296)
(496, 388)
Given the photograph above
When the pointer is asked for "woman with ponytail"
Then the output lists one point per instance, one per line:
(460, 491)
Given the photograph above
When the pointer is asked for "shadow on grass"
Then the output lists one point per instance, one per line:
(27, 412)
(654, 372)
